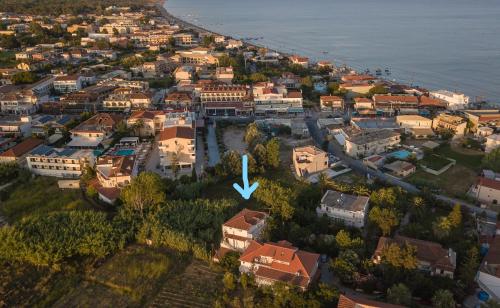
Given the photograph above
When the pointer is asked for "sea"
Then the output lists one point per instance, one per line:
(436, 44)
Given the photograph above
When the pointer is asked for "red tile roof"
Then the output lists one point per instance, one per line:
(285, 260)
(22, 148)
(182, 132)
(350, 301)
(490, 183)
(245, 219)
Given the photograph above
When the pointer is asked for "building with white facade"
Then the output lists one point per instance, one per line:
(177, 147)
(455, 100)
(348, 209)
(59, 162)
(362, 143)
(271, 99)
(243, 227)
(68, 84)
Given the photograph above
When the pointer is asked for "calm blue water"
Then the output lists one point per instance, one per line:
(450, 44)
(125, 152)
(401, 154)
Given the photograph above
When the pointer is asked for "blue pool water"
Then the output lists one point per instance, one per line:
(125, 152)
(401, 154)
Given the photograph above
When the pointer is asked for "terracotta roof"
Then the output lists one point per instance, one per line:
(350, 301)
(142, 114)
(354, 78)
(294, 94)
(120, 165)
(490, 183)
(362, 100)
(430, 252)
(245, 219)
(22, 148)
(426, 101)
(182, 132)
(285, 259)
(395, 98)
(330, 98)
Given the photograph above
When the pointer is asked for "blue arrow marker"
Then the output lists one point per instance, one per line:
(247, 190)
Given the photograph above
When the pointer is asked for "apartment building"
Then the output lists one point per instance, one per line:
(243, 227)
(271, 99)
(59, 162)
(179, 99)
(279, 262)
(223, 93)
(455, 101)
(116, 171)
(396, 104)
(431, 257)
(92, 132)
(415, 125)
(308, 160)
(17, 153)
(15, 126)
(331, 103)
(348, 209)
(127, 99)
(19, 102)
(196, 56)
(177, 147)
(298, 60)
(68, 83)
(454, 123)
(185, 39)
(363, 143)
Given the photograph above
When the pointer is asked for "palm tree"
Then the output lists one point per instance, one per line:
(323, 182)
(137, 126)
(361, 190)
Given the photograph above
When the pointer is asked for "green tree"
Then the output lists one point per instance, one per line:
(260, 154)
(491, 304)
(343, 269)
(443, 299)
(24, 78)
(273, 153)
(492, 160)
(252, 135)
(400, 257)
(144, 193)
(442, 227)
(344, 240)
(468, 268)
(455, 216)
(384, 218)
(399, 294)
(385, 197)
(229, 281)
(276, 197)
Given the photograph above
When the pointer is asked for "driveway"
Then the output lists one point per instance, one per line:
(213, 147)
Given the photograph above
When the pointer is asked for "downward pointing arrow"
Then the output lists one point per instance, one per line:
(247, 190)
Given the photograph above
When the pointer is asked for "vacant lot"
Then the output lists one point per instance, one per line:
(40, 196)
(435, 162)
(233, 139)
(468, 158)
(454, 182)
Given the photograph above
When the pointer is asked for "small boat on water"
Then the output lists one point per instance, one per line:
(387, 71)
(378, 72)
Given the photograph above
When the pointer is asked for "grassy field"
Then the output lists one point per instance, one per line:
(435, 162)
(130, 278)
(40, 196)
(454, 182)
(471, 161)
(197, 286)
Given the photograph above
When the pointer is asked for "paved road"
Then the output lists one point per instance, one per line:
(359, 167)
(213, 147)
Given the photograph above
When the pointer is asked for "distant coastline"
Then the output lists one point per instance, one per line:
(425, 83)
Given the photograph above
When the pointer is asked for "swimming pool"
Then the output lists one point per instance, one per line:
(401, 154)
(125, 152)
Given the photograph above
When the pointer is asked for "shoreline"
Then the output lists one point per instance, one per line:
(185, 24)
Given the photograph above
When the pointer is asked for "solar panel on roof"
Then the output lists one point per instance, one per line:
(45, 119)
(42, 150)
(65, 119)
(67, 152)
